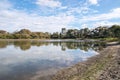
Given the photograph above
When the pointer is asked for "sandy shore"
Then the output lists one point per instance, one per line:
(105, 66)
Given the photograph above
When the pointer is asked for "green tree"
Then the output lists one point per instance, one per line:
(55, 35)
(115, 29)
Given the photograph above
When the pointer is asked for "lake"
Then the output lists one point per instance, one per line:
(38, 60)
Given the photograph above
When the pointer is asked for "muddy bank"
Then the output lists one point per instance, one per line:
(105, 66)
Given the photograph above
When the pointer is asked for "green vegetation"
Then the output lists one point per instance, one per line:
(109, 39)
(103, 33)
(24, 34)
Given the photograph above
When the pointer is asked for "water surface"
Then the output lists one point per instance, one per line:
(37, 60)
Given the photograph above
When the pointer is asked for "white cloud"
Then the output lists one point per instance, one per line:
(11, 19)
(84, 26)
(4, 4)
(82, 9)
(94, 2)
(20, 20)
(85, 10)
(99, 23)
(113, 14)
(105, 23)
(49, 3)
(78, 10)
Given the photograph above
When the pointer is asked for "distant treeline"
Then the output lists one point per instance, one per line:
(99, 32)
(24, 34)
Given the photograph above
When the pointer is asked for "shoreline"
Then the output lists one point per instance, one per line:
(99, 67)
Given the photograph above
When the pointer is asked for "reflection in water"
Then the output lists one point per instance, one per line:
(3, 44)
(35, 60)
(26, 45)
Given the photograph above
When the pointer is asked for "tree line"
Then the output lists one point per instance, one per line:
(99, 32)
(24, 34)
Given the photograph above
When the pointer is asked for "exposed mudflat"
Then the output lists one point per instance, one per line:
(105, 66)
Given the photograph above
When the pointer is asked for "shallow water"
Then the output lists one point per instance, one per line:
(37, 60)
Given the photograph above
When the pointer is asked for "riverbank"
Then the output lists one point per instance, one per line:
(105, 66)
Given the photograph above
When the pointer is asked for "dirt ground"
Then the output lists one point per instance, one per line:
(105, 66)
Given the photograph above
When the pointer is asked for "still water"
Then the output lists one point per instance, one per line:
(37, 60)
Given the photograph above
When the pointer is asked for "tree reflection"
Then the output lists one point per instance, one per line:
(39, 43)
(26, 45)
(3, 44)
(63, 48)
(83, 45)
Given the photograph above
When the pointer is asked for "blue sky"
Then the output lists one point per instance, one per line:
(52, 15)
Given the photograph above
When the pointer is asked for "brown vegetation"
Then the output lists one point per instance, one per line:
(105, 66)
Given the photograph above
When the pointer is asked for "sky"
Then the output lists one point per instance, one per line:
(52, 15)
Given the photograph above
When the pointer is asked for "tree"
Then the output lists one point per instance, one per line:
(115, 29)
(3, 34)
(24, 31)
(55, 35)
(72, 33)
(101, 32)
(34, 35)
